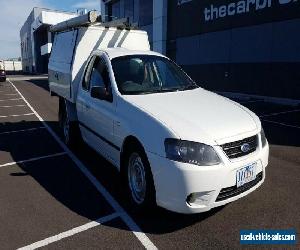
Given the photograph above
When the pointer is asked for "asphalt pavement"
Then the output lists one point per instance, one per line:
(55, 198)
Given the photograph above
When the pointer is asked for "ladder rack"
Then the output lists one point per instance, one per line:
(122, 23)
(92, 18)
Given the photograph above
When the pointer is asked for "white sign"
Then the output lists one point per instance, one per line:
(240, 7)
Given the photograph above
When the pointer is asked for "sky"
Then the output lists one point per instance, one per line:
(13, 14)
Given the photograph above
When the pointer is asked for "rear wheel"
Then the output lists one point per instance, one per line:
(66, 128)
(70, 130)
(139, 179)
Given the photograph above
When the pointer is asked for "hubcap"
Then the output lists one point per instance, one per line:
(136, 178)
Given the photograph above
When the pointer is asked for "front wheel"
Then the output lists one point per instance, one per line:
(140, 181)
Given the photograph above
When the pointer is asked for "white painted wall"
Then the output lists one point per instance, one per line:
(51, 18)
(48, 17)
(13, 65)
(46, 49)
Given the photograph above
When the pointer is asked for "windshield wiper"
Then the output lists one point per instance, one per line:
(190, 86)
(168, 89)
(145, 92)
(161, 90)
(174, 89)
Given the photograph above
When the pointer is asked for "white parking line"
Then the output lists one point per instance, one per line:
(32, 159)
(143, 238)
(70, 233)
(21, 130)
(13, 99)
(12, 106)
(23, 78)
(5, 116)
(282, 124)
(6, 87)
(11, 94)
(4, 91)
(280, 113)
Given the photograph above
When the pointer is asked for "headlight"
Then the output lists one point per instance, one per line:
(263, 138)
(191, 152)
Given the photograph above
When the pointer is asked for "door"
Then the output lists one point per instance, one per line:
(96, 116)
(83, 95)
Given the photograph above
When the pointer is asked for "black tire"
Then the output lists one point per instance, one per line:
(70, 130)
(149, 200)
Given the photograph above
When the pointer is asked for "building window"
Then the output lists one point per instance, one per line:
(115, 11)
(146, 12)
(129, 9)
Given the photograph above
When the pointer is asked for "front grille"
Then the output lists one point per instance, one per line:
(234, 149)
(229, 192)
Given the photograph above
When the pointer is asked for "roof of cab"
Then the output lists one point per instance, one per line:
(117, 52)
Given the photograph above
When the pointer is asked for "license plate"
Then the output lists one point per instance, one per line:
(245, 175)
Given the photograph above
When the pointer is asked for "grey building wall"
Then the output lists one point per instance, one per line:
(27, 43)
(34, 34)
(160, 11)
(41, 61)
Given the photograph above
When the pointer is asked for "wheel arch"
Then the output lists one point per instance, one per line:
(65, 105)
(131, 142)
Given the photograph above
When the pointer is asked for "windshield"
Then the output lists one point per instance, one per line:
(149, 74)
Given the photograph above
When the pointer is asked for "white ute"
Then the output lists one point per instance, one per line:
(176, 144)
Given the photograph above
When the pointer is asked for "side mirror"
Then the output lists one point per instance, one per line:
(100, 93)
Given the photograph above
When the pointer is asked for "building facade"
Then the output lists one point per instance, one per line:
(238, 46)
(36, 40)
(150, 15)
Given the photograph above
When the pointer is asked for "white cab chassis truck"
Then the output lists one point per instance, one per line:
(176, 144)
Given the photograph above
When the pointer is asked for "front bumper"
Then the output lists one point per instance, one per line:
(175, 181)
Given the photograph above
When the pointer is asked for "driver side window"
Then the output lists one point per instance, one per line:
(99, 74)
